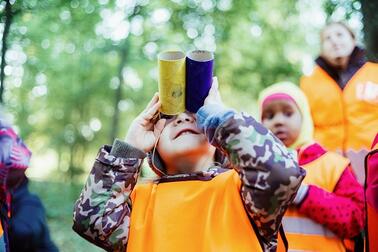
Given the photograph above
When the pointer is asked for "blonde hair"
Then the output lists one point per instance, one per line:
(345, 26)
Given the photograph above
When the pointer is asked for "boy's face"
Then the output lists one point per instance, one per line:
(180, 136)
(284, 119)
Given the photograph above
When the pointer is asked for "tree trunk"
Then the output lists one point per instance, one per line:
(118, 93)
(8, 15)
(370, 21)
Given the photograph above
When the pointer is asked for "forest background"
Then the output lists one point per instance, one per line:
(75, 73)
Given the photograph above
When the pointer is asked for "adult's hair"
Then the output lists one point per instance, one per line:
(351, 32)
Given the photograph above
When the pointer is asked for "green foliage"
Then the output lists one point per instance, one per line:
(73, 65)
(58, 200)
(68, 59)
(349, 8)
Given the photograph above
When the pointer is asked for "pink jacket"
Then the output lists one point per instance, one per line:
(341, 211)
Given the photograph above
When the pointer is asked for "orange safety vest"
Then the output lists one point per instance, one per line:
(191, 216)
(372, 212)
(304, 234)
(345, 120)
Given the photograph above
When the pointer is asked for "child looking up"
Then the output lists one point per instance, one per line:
(201, 201)
(329, 204)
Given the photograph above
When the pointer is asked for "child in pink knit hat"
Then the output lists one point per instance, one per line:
(328, 209)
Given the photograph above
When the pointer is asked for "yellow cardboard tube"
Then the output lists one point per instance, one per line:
(171, 66)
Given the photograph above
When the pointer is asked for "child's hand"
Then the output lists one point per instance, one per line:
(143, 133)
(214, 95)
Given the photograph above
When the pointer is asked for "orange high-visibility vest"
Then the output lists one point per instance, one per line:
(304, 234)
(345, 120)
(191, 216)
(372, 210)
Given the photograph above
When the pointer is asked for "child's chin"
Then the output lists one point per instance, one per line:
(188, 146)
(283, 140)
(192, 146)
(189, 140)
(287, 142)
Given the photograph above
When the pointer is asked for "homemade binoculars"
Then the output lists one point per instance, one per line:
(184, 80)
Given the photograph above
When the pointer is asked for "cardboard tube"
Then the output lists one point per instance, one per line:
(199, 73)
(171, 66)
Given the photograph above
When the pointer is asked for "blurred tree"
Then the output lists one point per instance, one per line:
(123, 52)
(9, 10)
(252, 43)
(7, 16)
(54, 102)
(369, 13)
(370, 20)
(80, 70)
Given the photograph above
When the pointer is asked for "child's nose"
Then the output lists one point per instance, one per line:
(279, 119)
(184, 117)
(334, 40)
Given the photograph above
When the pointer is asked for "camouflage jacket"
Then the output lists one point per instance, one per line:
(269, 174)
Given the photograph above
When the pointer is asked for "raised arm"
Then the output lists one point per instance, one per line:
(341, 211)
(102, 213)
(269, 173)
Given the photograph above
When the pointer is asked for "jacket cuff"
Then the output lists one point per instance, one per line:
(121, 149)
(301, 194)
(212, 115)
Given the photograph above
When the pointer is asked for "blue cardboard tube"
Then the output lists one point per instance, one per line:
(199, 74)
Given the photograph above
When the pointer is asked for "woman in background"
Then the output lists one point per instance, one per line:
(342, 92)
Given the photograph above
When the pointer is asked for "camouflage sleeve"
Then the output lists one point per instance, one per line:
(269, 173)
(102, 212)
